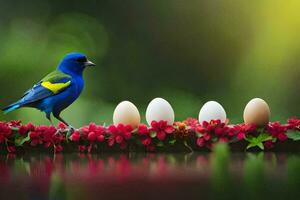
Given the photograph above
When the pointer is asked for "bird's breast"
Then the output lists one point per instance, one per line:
(68, 96)
(76, 88)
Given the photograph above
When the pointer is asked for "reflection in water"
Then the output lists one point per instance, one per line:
(217, 175)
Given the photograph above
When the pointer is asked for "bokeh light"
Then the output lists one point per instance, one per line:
(186, 52)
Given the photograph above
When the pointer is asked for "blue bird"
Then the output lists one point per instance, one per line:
(57, 90)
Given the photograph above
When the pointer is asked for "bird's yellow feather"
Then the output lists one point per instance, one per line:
(55, 87)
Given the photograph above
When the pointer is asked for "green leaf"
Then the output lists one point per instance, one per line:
(258, 141)
(152, 134)
(199, 135)
(293, 135)
(14, 128)
(264, 137)
(19, 141)
(172, 142)
(261, 146)
(250, 145)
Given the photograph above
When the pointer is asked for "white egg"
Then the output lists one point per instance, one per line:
(159, 109)
(257, 112)
(126, 113)
(212, 110)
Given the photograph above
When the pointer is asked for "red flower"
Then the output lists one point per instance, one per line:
(282, 136)
(162, 129)
(93, 132)
(143, 129)
(100, 138)
(200, 129)
(24, 129)
(34, 137)
(14, 123)
(48, 136)
(241, 136)
(5, 130)
(144, 134)
(62, 126)
(119, 134)
(193, 123)
(200, 142)
(294, 123)
(277, 130)
(241, 130)
(205, 135)
(212, 131)
(92, 136)
(75, 137)
(268, 144)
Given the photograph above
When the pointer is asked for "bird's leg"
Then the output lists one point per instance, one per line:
(62, 120)
(48, 116)
(57, 116)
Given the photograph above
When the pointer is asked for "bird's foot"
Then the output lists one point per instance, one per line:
(71, 128)
(70, 131)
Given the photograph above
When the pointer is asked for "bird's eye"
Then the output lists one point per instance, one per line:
(81, 60)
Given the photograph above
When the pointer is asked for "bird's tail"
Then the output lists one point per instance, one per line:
(11, 107)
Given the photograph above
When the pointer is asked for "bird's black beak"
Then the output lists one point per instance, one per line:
(89, 64)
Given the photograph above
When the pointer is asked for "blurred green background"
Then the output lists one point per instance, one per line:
(187, 52)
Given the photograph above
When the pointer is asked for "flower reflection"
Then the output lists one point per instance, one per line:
(86, 176)
(114, 165)
(88, 165)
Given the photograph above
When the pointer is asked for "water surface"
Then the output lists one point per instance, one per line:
(217, 175)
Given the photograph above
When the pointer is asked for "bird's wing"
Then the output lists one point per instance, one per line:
(52, 84)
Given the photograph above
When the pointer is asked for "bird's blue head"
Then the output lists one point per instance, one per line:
(74, 64)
